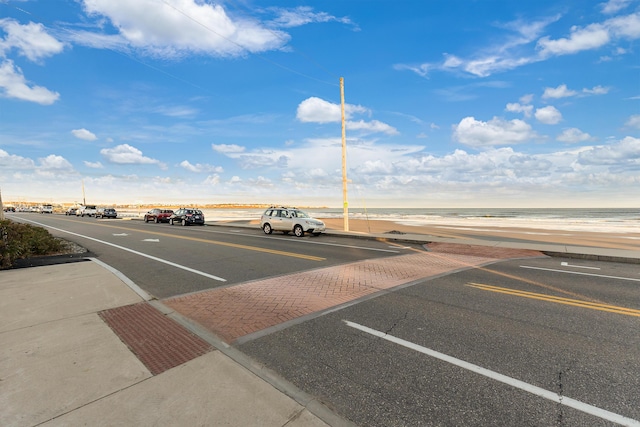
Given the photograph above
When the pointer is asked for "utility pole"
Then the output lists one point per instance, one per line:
(1, 207)
(345, 202)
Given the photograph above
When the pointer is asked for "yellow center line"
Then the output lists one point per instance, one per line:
(559, 300)
(215, 242)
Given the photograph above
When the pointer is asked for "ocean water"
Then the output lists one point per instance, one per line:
(620, 220)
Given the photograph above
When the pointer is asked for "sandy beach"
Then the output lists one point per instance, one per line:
(627, 241)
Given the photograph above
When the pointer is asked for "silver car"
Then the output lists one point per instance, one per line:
(290, 219)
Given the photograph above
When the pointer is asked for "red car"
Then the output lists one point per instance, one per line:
(158, 215)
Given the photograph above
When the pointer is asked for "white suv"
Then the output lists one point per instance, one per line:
(89, 210)
(290, 219)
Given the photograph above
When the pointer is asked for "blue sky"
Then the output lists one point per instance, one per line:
(454, 103)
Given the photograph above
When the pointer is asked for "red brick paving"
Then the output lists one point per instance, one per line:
(236, 311)
(159, 342)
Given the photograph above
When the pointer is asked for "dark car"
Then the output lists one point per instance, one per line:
(158, 215)
(106, 213)
(187, 216)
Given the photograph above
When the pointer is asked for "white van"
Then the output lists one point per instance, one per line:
(46, 209)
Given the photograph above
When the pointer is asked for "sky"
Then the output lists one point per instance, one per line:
(485, 103)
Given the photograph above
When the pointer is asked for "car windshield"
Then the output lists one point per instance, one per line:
(300, 214)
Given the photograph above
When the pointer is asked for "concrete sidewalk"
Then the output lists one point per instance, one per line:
(61, 364)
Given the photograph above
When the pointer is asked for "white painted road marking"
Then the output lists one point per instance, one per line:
(580, 274)
(566, 264)
(117, 234)
(554, 397)
(164, 261)
(150, 240)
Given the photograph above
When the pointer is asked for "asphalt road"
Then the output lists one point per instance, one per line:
(535, 342)
(167, 260)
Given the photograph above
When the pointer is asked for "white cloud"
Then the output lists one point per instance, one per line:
(634, 121)
(55, 162)
(31, 40)
(316, 110)
(614, 6)
(126, 154)
(591, 37)
(373, 126)
(559, 92)
(563, 92)
(303, 15)
(548, 115)
(622, 154)
(93, 165)
(495, 132)
(572, 135)
(84, 134)
(14, 85)
(227, 148)
(519, 108)
(185, 26)
(198, 167)
(11, 161)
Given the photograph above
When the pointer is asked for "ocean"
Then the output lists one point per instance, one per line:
(619, 220)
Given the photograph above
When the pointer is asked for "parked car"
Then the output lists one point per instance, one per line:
(106, 213)
(158, 215)
(187, 216)
(9, 209)
(46, 209)
(89, 210)
(290, 219)
(71, 211)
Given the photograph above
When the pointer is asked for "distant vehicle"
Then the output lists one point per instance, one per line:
(106, 213)
(187, 216)
(158, 215)
(71, 211)
(290, 219)
(9, 209)
(89, 210)
(46, 209)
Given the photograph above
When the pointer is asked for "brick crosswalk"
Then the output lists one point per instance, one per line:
(239, 310)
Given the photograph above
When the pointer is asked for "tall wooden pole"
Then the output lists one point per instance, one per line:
(1, 207)
(344, 160)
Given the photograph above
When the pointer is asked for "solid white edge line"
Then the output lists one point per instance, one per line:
(579, 273)
(555, 397)
(164, 261)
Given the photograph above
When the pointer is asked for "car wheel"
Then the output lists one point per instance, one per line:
(156, 220)
(184, 222)
(267, 228)
(298, 231)
(316, 234)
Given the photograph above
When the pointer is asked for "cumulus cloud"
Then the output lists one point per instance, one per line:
(93, 165)
(199, 167)
(317, 110)
(53, 161)
(14, 85)
(175, 29)
(495, 132)
(12, 161)
(572, 135)
(548, 115)
(614, 6)
(84, 134)
(558, 92)
(227, 148)
(622, 154)
(126, 154)
(634, 121)
(519, 108)
(31, 40)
